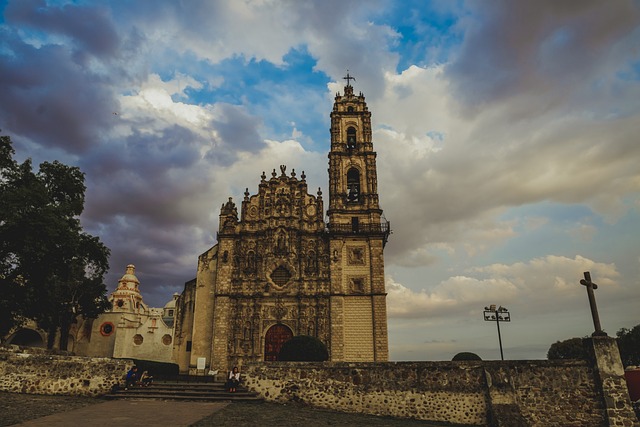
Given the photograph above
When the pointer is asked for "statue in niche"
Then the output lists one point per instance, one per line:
(312, 262)
(356, 256)
(281, 244)
(251, 262)
(246, 333)
(311, 329)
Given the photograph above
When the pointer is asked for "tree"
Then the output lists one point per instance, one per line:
(303, 348)
(629, 345)
(567, 349)
(50, 269)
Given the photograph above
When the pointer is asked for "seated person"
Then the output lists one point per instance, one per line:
(146, 379)
(233, 379)
(132, 377)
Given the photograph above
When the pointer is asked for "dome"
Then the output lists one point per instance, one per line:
(172, 303)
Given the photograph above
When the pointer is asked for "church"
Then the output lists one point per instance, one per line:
(279, 270)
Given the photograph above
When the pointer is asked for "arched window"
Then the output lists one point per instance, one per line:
(353, 185)
(351, 138)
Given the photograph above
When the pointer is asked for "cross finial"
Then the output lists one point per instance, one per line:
(348, 77)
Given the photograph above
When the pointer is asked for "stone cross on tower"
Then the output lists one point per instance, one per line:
(592, 303)
(348, 77)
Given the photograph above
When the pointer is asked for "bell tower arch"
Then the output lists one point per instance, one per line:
(358, 233)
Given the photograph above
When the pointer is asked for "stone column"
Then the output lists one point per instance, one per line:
(609, 375)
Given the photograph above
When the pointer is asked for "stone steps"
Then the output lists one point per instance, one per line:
(179, 390)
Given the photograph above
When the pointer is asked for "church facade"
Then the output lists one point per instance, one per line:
(279, 270)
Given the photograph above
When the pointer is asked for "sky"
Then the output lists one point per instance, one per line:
(507, 136)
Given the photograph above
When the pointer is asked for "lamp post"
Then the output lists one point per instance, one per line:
(498, 315)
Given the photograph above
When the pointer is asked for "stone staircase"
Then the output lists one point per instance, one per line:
(186, 390)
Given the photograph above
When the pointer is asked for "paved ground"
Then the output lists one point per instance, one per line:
(34, 410)
(130, 413)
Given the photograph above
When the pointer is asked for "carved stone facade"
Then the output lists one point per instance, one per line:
(279, 270)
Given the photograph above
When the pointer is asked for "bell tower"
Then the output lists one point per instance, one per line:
(358, 234)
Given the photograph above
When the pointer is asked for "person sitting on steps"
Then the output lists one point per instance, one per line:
(146, 379)
(132, 377)
(233, 379)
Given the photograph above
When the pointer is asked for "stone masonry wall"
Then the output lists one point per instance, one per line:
(38, 372)
(511, 393)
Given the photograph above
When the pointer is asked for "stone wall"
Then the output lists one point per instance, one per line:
(510, 393)
(39, 372)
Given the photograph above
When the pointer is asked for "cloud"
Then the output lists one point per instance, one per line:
(541, 285)
(89, 27)
(545, 50)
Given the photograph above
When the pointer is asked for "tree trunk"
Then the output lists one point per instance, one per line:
(65, 324)
(51, 337)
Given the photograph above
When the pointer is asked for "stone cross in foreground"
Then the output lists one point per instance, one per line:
(592, 302)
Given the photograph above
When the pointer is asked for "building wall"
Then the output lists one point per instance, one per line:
(151, 340)
(203, 312)
(183, 327)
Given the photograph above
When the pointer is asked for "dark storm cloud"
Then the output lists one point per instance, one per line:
(513, 47)
(50, 99)
(89, 27)
(50, 92)
(138, 176)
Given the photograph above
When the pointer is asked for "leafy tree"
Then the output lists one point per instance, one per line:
(50, 270)
(303, 348)
(567, 349)
(629, 345)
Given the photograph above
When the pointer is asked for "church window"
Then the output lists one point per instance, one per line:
(355, 224)
(280, 276)
(106, 329)
(137, 339)
(351, 138)
(350, 109)
(166, 339)
(170, 313)
(353, 185)
(188, 349)
(120, 303)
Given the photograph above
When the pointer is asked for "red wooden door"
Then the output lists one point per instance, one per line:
(273, 340)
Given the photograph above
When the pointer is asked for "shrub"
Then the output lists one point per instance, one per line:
(303, 348)
(465, 355)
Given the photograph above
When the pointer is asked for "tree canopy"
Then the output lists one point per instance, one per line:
(573, 348)
(567, 349)
(50, 269)
(629, 344)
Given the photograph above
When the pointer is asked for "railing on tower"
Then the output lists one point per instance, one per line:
(384, 229)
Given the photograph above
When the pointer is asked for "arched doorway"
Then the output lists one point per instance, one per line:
(27, 338)
(273, 340)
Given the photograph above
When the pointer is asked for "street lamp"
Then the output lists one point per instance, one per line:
(500, 314)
